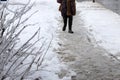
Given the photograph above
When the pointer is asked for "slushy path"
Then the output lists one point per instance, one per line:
(87, 60)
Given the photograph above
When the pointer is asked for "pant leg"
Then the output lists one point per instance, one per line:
(65, 22)
(70, 22)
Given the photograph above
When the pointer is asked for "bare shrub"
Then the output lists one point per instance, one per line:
(13, 64)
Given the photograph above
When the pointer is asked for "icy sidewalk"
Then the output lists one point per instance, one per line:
(80, 50)
(102, 24)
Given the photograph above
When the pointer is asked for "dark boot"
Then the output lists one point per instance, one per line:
(70, 31)
(65, 23)
(70, 24)
(64, 28)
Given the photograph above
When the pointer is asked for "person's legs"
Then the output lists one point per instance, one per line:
(70, 24)
(65, 22)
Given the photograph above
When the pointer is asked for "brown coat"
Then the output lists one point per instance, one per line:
(67, 7)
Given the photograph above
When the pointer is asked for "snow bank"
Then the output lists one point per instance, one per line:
(103, 24)
(46, 19)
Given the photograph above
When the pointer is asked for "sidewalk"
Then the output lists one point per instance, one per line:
(81, 52)
(102, 24)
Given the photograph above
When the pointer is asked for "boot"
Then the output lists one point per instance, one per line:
(64, 28)
(70, 31)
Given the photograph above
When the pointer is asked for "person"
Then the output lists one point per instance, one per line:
(68, 10)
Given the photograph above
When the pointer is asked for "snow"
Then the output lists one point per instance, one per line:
(46, 20)
(103, 24)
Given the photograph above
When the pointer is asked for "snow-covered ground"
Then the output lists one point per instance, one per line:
(46, 19)
(103, 24)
